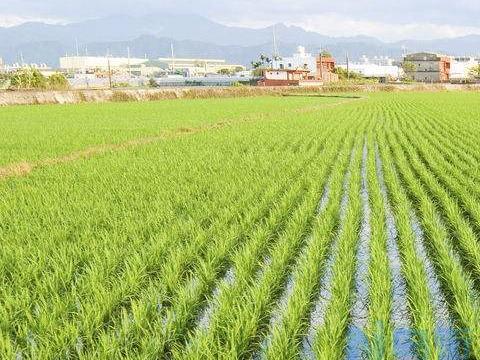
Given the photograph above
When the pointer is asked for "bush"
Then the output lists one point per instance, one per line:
(344, 75)
(121, 85)
(121, 96)
(152, 83)
(58, 81)
(28, 78)
(238, 84)
(32, 79)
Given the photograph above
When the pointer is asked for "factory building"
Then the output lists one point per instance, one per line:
(102, 63)
(187, 67)
(200, 67)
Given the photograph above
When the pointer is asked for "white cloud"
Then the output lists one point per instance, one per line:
(391, 21)
(8, 20)
(339, 25)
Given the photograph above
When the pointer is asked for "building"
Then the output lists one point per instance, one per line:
(143, 66)
(284, 77)
(461, 67)
(378, 67)
(82, 64)
(300, 60)
(429, 67)
(325, 67)
(320, 68)
(374, 71)
(149, 69)
(200, 67)
(377, 60)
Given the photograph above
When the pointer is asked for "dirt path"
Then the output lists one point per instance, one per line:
(24, 168)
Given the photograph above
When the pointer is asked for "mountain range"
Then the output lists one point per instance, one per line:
(196, 36)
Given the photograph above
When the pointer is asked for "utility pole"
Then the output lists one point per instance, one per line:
(109, 71)
(128, 55)
(173, 57)
(348, 66)
(276, 54)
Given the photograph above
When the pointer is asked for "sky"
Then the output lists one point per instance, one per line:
(387, 20)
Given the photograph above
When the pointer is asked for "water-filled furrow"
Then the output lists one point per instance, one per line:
(228, 279)
(356, 340)
(402, 337)
(317, 316)
(289, 287)
(445, 330)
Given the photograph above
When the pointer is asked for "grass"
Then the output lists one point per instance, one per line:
(209, 228)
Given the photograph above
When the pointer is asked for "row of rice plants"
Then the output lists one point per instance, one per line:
(100, 268)
(330, 341)
(99, 291)
(462, 297)
(254, 291)
(444, 164)
(451, 211)
(286, 334)
(171, 325)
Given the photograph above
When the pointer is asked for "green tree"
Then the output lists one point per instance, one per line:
(152, 83)
(58, 81)
(28, 78)
(409, 68)
(342, 74)
(263, 62)
(224, 72)
(4, 80)
(475, 72)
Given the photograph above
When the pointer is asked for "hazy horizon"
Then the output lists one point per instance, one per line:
(419, 20)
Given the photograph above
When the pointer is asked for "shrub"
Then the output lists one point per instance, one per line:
(121, 85)
(32, 79)
(58, 81)
(152, 83)
(121, 96)
(28, 78)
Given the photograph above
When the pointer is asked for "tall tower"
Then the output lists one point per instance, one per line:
(276, 53)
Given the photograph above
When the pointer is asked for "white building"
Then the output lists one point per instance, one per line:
(375, 71)
(377, 60)
(83, 63)
(376, 67)
(199, 67)
(300, 60)
(461, 67)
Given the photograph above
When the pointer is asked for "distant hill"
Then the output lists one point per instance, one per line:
(196, 36)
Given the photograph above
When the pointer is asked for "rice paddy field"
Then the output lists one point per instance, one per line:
(251, 228)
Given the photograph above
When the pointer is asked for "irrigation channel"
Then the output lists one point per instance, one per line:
(323, 230)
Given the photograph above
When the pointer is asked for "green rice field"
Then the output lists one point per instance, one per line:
(297, 227)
